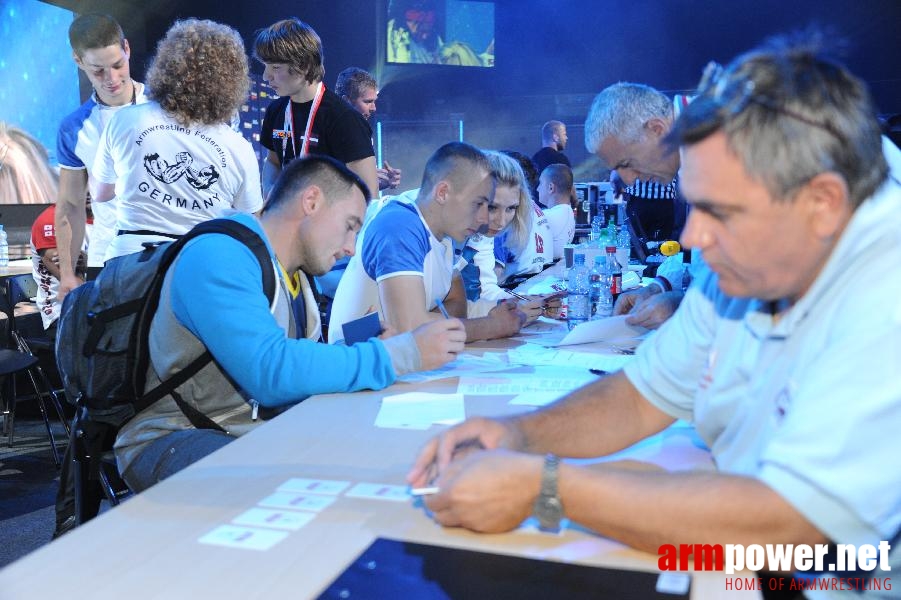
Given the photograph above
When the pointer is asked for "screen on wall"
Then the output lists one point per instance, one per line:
(440, 32)
(38, 80)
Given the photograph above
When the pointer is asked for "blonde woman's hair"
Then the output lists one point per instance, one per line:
(25, 173)
(507, 172)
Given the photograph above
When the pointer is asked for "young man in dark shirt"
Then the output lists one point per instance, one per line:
(307, 118)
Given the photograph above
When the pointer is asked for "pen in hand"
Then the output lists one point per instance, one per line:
(441, 308)
(519, 296)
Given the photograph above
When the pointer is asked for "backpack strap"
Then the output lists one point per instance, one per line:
(255, 243)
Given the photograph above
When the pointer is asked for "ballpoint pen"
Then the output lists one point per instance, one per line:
(441, 308)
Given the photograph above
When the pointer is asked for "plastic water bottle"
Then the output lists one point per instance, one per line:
(601, 297)
(4, 248)
(578, 302)
(597, 223)
(623, 245)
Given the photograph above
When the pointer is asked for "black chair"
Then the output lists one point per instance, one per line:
(94, 470)
(18, 358)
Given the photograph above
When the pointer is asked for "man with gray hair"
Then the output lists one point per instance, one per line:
(783, 165)
(625, 128)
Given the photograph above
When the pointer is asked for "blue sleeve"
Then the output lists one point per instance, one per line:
(68, 137)
(396, 243)
(217, 294)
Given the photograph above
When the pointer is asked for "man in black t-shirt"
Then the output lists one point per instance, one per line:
(307, 118)
(553, 141)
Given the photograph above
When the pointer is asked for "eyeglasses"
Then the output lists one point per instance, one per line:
(746, 95)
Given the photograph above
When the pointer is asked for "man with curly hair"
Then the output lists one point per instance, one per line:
(307, 118)
(175, 162)
(101, 51)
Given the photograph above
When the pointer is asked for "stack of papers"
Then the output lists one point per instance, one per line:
(535, 355)
(612, 330)
(465, 363)
(543, 380)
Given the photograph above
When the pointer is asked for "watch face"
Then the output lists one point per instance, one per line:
(549, 512)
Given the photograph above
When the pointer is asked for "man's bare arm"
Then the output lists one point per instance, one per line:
(403, 302)
(70, 225)
(366, 169)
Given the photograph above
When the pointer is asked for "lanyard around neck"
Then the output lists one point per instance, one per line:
(308, 130)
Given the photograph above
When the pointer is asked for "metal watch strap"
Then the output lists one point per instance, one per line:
(548, 508)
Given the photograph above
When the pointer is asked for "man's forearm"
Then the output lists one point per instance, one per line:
(596, 420)
(646, 509)
(69, 229)
(484, 328)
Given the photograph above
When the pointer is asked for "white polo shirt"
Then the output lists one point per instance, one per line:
(809, 405)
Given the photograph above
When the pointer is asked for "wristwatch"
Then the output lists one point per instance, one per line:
(548, 508)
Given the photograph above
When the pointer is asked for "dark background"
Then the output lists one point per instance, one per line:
(552, 57)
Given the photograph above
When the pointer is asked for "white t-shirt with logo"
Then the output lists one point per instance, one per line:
(170, 177)
(79, 136)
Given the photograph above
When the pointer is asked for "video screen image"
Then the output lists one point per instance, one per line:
(441, 32)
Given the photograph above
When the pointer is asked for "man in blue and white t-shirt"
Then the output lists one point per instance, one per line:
(405, 264)
(100, 49)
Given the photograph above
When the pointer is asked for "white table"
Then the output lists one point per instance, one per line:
(148, 547)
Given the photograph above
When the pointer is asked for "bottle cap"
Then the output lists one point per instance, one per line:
(670, 248)
(611, 249)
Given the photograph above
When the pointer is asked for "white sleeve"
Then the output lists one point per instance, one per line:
(104, 167)
(249, 198)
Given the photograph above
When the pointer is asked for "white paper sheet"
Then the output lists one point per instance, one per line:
(613, 330)
(465, 363)
(544, 379)
(420, 410)
(535, 355)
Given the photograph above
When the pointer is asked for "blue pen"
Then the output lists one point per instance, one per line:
(441, 308)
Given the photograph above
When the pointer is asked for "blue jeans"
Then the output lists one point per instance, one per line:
(172, 453)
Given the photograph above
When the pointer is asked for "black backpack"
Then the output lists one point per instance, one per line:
(102, 344)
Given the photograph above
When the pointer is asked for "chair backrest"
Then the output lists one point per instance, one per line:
(16, 289)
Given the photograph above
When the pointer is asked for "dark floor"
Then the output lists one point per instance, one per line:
(28, 483)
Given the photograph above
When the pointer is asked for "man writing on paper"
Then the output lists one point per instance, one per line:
(266, 357)
(771, 355)
(407, 260)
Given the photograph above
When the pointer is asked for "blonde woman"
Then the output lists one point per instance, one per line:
(25, 173)
(508, 214)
